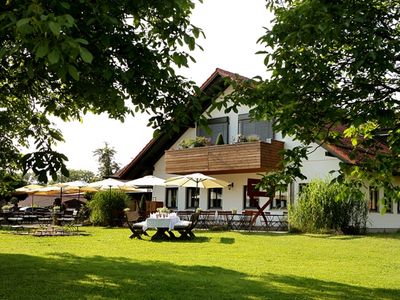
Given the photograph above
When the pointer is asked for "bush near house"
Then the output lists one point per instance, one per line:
(324, 206)
(106, 208)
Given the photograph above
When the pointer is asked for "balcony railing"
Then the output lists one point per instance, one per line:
(223, 159)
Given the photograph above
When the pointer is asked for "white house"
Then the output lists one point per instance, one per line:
(236, 163)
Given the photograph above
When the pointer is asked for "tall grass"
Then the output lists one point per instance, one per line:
(325, 206)
(106, 207)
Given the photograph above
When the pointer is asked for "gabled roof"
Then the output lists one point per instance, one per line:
(143, 163)
(345, 151)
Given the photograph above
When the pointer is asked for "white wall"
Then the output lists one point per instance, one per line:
(318, 165)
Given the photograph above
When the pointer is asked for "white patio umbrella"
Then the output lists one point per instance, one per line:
(73, 185)
(108, 184)
(196, 180)
(56, 190)
(29, 189)
(149, 180)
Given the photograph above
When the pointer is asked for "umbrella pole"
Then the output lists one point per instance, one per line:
(198, 194)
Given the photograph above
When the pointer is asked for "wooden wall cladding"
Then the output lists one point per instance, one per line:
(225, 159)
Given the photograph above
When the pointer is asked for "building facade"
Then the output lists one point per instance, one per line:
(236, 161)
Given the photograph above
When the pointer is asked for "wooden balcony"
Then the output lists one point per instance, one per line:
(224, 159)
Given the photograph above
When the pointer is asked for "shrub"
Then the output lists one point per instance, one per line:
(199, 141)
(106, 208)
(219, 140)
(252, 138)
(324, 206)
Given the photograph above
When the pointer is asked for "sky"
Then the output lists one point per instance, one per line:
(232, 28)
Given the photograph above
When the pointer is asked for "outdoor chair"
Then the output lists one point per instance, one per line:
(185, 227)
(69, 216)
(246, 220)
(132, 218)
(73, 222)
(45, 218)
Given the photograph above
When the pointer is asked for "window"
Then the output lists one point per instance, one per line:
(373, 199)
(246, 200)
(217, 126)
(192, 198)
(171, 197)
(263, 129)
(215, 198)
(281, 199)
(388, 203)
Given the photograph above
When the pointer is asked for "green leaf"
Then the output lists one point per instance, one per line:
(23, 22)
(55, 28)
(42, 49)
(65, 5)
(82, 41)
(53, 56)
(86, 55)
(73, 72)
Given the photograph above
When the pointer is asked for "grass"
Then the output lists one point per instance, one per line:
(217, 265)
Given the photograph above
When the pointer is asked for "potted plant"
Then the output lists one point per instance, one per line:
(219, 140)
(253, 138)
(163, 211)
(199, 141)
(240, 138)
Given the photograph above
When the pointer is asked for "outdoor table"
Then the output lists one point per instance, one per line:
(162, 224)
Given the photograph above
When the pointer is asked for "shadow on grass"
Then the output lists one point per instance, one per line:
(336, 236)
(225, 240)
(197, 239)
(66, 276)
(265, 233)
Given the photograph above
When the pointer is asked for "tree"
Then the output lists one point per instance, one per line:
(8, 183)
(335, 69)
(66, 58)
(75, 175)
(105, 157)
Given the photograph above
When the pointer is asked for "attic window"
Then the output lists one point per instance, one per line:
(217, 126)
(262, 129)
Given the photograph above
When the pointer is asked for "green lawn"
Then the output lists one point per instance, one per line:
(217, 265)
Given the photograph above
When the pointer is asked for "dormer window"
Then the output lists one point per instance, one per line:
(217, 126)
(262, 129)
